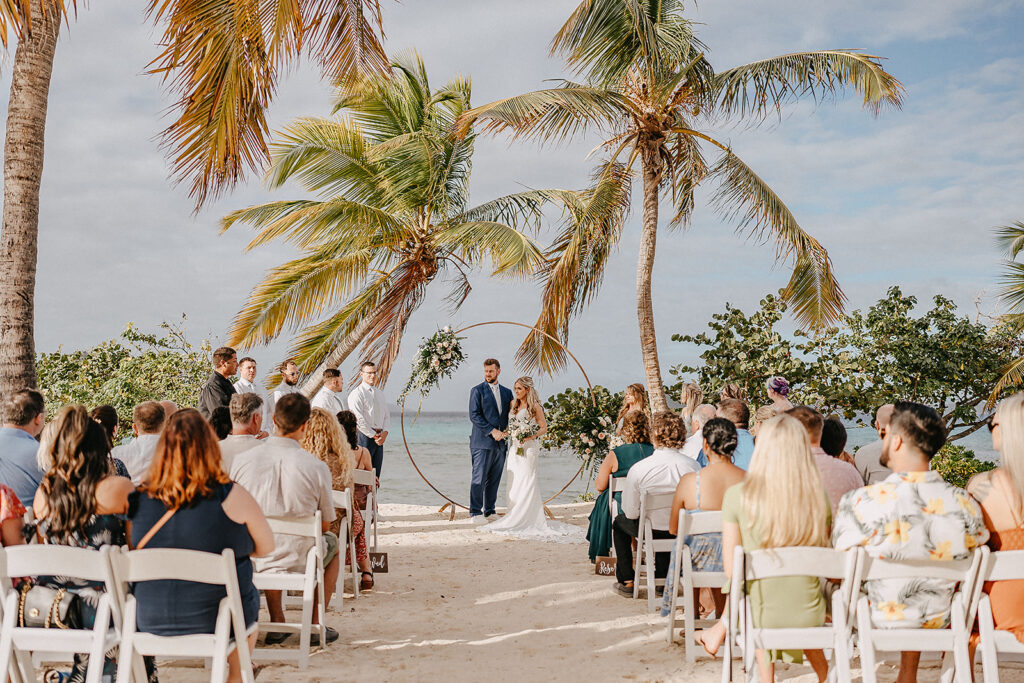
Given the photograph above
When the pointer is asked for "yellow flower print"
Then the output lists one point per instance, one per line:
(935, 506)
(966, 504)
(882, 493)
(943, 551)
(937, 622)
(897, 531)
(970, 542)
(914, 477)
(892, 610)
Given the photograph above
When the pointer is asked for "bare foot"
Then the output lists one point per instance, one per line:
(711, 640)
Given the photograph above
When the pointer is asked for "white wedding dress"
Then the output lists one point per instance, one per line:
(525, 517)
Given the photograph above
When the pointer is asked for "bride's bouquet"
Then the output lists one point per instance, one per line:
(520, 427)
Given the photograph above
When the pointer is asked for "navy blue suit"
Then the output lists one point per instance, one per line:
(488, 454)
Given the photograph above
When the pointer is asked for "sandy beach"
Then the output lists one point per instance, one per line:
(458, 605)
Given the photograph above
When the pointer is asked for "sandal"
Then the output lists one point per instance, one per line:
(366, 582)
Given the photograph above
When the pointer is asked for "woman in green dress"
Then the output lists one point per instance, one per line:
(780, 503)
(635, 431)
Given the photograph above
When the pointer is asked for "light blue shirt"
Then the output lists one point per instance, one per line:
(741, 456)
(18, 468)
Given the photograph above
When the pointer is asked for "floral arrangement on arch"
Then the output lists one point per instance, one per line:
(583, 421)
(437, 357)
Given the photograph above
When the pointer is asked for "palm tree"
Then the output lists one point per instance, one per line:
(648, 87)
(1011, 239)
(392, 185)
(222, 58)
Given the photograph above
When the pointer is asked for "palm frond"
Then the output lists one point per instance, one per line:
(1011, 286)
(743, 196)
(762, 87)
(511, 252)
(1012, 377)
(343, 37)
(1010, 238)
(522, 209)
(16, 15)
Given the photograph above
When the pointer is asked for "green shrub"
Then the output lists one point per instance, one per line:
(957, 464)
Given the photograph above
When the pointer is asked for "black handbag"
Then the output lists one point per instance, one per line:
(45, 607)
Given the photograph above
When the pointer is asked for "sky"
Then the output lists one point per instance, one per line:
(909, 198)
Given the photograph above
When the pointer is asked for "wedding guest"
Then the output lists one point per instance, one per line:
(137, 454)
(658, 473)
(289, 378)
(833, 440)
(246, 425)
(24, 417)
(325, 439)
(347, 420)
(247, 384)
(912, 515)
(702, 491)
(371, 411)
(780, 503)
(1001, 495)
(837, 477)
(170, 408)
(209, 513)
(762, 415)
(635, 433)
(732, 390)
(736, 411)
(106, 417)
(867, 458)
(79, 503)
(218, 390)
(289, 482)
(778, 392)
(329, 397)
(690, 396)
(634, 397)
(701, 414)
(12, 517)
(220, 421)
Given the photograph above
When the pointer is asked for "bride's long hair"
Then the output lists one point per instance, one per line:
(533, 404)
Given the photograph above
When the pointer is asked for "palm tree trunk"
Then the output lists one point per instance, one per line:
(336, 357)
(651, 169)
(23, 170)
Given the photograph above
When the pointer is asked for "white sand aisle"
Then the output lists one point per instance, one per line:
(459, 605)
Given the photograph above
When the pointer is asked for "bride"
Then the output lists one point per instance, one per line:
(525, 516)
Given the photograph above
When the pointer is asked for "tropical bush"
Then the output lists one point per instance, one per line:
(957, 464)
(583, 422)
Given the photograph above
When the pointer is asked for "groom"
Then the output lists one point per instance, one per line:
(488, 411)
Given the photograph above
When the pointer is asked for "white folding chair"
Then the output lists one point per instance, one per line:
(823, 563)
(343, 500)
(49, 644)
(160, 564)
(1006, 565)
(686, 579)
(734, 626)
(954, 639)
(368, 478)
(647, 546)
(310, 583)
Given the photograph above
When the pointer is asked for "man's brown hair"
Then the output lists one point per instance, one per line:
(811, 419)
(331, 373)
(149, 417)
(222, 356)
(291, 412)
(23, 406)
(736, 411)
(247, 359)
(187, 461)
(667, 430)
(492, 361)
(243, 407)
(285, 363)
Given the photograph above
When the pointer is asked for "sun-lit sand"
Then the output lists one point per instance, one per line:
(458, 605)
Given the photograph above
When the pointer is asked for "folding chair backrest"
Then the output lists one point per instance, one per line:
(614, 484)
(874, 568)
(296, 526)
(341, 499)
(364, 477)
(826, 563)
(654, 501)
(55, 560)
(158, 564)
(691, 523)
(1005, 565)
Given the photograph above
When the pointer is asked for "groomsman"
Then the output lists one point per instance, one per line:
(247, 384)
(329, 397)
(371, 411)
(218, 389)
(289, 378)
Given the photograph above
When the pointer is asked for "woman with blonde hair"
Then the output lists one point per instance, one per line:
(691, 396)
(780, 503)
(633, 398)
(325, 439)
(1001, 495)
(761, 415)
(733, 390)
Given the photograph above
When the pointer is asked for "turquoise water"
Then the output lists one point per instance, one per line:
(439, 442)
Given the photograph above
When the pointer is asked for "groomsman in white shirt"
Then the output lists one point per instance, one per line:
(371, 411)
(329, 397)
(289, 378)
(246, 384)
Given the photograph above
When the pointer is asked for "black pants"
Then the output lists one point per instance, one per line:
(624, 530)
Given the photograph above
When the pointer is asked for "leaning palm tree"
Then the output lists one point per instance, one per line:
(392, 185)
(649, 89)
(1011, 239)
(222, 59)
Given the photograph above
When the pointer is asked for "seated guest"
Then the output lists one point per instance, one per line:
(288, 482)
(833, 440)
(24, 417)
(137, 454)
(866, 460)
(106, 416)
(702, 491)
(325, 439)
(734, 391)
(762, 415)
(778, 392)
(736, 411)
(1001, 495)
(779, 504)
(635, 432)
(912, 515)
(220, 421)
(246, 425)
(658, 473)
(701, 414)
(837, 477)
(78, 504)
(208, 512)
(364, 461)
(12, 518)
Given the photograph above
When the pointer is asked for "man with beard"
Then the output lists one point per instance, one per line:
(289, 378)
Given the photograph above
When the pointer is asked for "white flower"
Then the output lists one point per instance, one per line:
(446, 328)
(602, 435)
(593, 431)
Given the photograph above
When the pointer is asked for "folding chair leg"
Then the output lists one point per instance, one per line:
(94, 672)
(989, 659)
(867, 644)
(8, 662)
(126, 659)
(652, 593)
(222, 631)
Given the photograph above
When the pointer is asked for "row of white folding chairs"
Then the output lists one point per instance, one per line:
(345, 501)
(369, 478)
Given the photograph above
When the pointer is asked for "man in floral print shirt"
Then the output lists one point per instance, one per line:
(911, 515)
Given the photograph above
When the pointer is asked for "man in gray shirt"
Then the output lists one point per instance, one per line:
(24, 417)
(867, 457)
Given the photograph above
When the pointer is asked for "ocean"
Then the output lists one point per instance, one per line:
(439, 442)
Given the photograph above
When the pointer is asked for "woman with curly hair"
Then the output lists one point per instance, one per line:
(355, 457)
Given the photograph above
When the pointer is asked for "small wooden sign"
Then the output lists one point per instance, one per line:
(604, 566)
(379, 563)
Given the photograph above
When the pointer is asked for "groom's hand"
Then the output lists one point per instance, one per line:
(497, 434)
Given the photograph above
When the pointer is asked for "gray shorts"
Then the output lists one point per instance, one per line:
(330, 547)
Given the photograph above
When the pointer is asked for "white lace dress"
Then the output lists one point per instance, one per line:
(525, 516)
